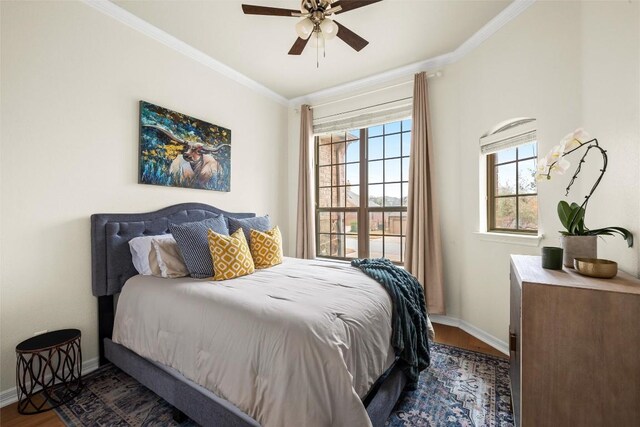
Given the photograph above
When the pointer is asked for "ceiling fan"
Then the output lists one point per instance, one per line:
(316, 20)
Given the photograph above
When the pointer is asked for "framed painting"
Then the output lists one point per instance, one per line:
(177, 150)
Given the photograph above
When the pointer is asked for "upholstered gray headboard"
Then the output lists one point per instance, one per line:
(111, 263)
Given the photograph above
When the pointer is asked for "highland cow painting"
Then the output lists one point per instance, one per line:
(179, 151)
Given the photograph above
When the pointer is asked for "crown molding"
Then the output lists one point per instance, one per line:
(490, 28)
(368, 82)
(500, 20)
(507, 15)
(131, 20)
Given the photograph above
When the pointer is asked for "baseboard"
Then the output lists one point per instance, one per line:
(494, 342)
(7, 397)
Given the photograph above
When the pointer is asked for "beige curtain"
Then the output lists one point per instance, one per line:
(306, 230)
(423, 256)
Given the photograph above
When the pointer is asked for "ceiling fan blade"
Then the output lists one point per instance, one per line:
(331, 10)
(250, 9)
(298, 46)
(350, 38)
(348, 5)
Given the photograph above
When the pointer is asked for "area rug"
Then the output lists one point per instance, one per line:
(460, 388)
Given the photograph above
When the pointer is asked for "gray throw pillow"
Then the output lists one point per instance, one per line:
(260, 223)
(194, 244)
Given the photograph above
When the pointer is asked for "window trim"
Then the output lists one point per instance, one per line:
(520, 239)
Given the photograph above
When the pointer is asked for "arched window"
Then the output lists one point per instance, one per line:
(511, 150)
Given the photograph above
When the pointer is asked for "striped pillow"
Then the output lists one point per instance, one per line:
(266, 247)
(260, 223)
(231, 255)
(194, 246)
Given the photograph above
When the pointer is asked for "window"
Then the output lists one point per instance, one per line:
(362, 186)
(512, 199)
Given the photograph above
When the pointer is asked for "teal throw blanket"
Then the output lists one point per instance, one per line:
(409, 315)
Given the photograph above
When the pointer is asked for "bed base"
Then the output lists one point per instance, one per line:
(198, 403)
(208, 409)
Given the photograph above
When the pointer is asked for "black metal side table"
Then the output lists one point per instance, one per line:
(48, 370)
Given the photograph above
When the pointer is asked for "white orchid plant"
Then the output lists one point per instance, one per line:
(572, 215)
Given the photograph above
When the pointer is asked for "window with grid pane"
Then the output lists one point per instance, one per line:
(362, 184)
(512, 190)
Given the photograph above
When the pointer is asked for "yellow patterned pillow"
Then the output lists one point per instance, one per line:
(266, 247)
(230, 254)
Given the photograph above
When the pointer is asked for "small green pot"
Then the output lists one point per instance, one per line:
(552, 258)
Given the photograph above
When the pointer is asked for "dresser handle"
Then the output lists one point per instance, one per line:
(512, 342)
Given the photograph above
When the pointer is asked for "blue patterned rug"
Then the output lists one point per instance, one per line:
(460, 388)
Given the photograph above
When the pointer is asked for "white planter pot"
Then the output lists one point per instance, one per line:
(578, 247)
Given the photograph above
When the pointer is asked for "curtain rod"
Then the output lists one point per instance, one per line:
(364, 108)
(436, 74)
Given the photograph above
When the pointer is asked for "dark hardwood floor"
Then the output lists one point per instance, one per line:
(449, 335)
(456, 337)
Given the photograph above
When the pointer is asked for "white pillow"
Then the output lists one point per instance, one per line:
(140, 248)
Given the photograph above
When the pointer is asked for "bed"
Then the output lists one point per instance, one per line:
(202, 388)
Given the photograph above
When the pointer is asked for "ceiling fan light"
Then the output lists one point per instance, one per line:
(304, 28)
(329, 28)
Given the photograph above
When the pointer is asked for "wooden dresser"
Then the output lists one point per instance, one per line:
(574, 346)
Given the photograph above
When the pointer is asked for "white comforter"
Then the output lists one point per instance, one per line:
(295, 345)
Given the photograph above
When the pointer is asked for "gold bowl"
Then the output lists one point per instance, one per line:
(595, 267)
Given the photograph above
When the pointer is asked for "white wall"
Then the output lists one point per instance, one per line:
(519, 72)
(610, 65)
(580, 75)
(71, 81)
(567, 64)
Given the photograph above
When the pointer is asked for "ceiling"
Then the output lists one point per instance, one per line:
(400, 32)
